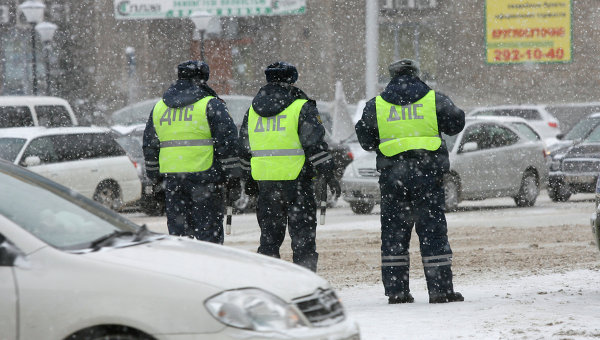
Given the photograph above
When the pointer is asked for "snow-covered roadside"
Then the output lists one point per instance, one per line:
(552, 306)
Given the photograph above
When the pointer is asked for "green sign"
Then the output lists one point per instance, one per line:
(165, 9)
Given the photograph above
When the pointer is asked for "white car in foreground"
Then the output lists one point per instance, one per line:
(72, 269)
(491, 157)
(86, 159)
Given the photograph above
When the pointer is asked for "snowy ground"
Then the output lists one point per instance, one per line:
(527, 273)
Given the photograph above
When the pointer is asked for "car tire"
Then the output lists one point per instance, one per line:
(362, 208)
(451, 193)
(529, 191)
(108, 194)
(559, 192)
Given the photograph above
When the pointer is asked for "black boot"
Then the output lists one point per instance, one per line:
(401, 298)
(444, 298)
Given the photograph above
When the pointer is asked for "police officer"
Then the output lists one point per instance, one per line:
(404, 125)
(191, 140)
(282, 150)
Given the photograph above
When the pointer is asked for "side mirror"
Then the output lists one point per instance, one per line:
(32, 161)
(8, 253)
(470, 146)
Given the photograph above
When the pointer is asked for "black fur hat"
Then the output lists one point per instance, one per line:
(404, 66)
(193, 69)
(281, 72)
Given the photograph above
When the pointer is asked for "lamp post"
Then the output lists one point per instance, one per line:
(34, 13)
(46, 31)
(201, 20)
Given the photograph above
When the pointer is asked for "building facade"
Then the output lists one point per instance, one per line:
(100, 63)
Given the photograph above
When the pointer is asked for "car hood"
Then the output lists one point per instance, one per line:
(215, 265)
(587, 150)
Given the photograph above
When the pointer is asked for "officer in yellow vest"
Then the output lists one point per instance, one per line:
(282, 149)
(403, 125)
(191, 141)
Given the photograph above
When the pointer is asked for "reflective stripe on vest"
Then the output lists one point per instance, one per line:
(408, 127)
(186, 143)
(277, 153)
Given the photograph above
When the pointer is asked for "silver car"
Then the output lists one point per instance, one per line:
(491, 157)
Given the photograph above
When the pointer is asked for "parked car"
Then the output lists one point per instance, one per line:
(491, 157)
(86, 159)
(72, 269)
(595, 219)
(23, 111)
(537, 115)
(575, 170)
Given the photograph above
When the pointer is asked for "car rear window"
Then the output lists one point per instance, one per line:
(15, 116)
(53, 116)
(10, 148)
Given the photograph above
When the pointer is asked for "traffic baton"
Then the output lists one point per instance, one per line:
(323, 198)
(229, 211)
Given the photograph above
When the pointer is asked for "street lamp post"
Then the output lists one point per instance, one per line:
(46, 31)
(34, 13)
(201, 20)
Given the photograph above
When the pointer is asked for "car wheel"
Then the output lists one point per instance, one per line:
(362, 208)
(559, 192)
(529, 190)
(108, 194)
(451, 194)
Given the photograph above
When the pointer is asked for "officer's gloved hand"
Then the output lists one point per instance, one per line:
(251, 187)
(333, 184)
(234, 189)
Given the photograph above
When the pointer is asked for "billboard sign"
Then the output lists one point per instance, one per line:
(520, 31)
(166, 9)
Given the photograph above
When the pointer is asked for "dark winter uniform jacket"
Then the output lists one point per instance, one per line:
(403, 90)
(272, 99)
(222, 128)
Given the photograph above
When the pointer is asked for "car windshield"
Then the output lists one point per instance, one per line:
(10, 148)
(55, 215)
(593, 136)
(581, 129)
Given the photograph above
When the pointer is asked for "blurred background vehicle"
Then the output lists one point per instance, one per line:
(595, 219)
(88, 160)
(576, 169)
(491, 157)
(78, 268)
(575, 134)
(22, 111)
(537, 115)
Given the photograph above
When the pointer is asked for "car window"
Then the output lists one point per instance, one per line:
(56, 219)
(594, 135)
(42, 147)
(15, 116)
(526, 131)
(53, 116)
(475, 134)
(582, 129)
(10, 148)
(500, 136)
(87, 146)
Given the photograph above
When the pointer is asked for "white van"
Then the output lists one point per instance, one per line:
(22, 111)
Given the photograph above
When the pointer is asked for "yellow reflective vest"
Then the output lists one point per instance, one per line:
(185, 140)
(407, 127)
(277, 154)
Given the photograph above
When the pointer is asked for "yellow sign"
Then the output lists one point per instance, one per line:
(521, 31)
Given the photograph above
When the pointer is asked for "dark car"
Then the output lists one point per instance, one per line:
(575, 135)
(576, 170)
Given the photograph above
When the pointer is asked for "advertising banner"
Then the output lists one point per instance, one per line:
(165, 9)
(521, 31)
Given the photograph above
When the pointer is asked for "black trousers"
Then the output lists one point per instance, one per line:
(288, 204)
(194, 209)
(412, 196)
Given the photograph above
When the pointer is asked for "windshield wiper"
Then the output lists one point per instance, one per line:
(105, 240)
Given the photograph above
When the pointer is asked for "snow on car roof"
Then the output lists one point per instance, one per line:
(31, 132)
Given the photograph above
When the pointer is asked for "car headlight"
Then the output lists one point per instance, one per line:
(253, 309)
